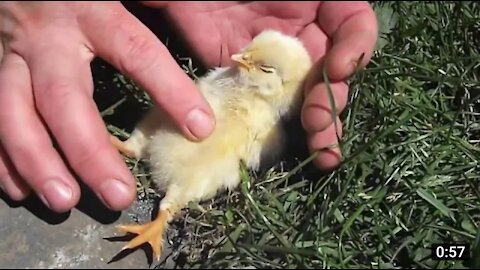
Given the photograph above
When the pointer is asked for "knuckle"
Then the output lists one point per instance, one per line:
(52, 91)
(53, 103)
(141, 54)
(86, 154)
(24, 155)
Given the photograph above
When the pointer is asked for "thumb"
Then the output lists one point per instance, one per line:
(122, 40)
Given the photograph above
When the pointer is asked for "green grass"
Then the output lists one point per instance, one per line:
(410, 175)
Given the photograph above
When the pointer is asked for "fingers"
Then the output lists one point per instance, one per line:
(326, 143)
(315, 41)
(27, 143)
(353, 28)
(317, 109)
(63, 85)
(135, 51)
(10, 181)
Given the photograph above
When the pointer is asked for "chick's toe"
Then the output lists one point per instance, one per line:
(122, 147)
(151, 233)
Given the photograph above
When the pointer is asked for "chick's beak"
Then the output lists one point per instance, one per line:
(240, 60)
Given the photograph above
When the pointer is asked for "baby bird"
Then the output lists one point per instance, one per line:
(249, 100)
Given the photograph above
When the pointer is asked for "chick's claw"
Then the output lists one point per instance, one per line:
(151, 233)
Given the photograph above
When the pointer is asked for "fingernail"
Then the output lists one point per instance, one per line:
(55, 194)
(116, 194)
(199, 123)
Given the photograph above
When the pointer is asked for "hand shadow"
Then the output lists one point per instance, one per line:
(89, 205)
(37, 208)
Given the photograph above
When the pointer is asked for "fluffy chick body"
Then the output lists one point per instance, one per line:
(196, 171)
(249, 100)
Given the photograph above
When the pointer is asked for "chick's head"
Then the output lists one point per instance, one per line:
(274, 64)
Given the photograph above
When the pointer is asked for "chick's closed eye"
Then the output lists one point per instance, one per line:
(267, 69)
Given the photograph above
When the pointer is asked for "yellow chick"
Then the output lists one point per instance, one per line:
(249, 99)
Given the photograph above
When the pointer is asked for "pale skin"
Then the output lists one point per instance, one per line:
(46, 85)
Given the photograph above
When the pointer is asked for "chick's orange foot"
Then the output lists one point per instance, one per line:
(151, 233)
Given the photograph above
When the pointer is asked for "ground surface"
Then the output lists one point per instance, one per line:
(33, 237)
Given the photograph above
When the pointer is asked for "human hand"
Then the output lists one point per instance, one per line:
(46, 96)
(338, 32)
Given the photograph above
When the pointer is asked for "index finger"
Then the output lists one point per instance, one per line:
(353, 30)
(131, 47)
